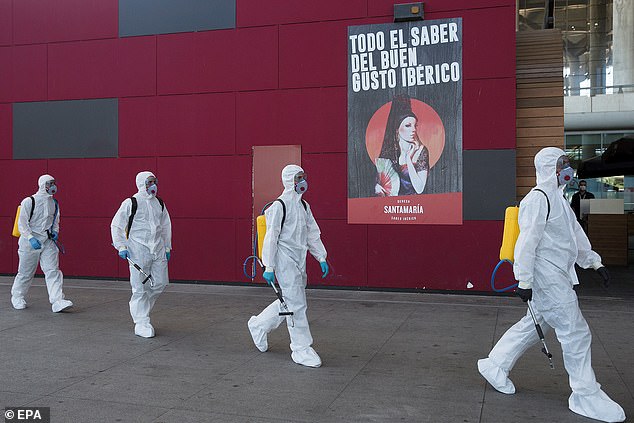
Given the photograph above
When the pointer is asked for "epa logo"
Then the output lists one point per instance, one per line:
(27, 414)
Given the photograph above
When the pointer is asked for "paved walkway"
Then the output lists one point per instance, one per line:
(388, 357)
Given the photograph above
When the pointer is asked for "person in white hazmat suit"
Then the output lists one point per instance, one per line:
(39, 229)
(146, 239)
(545, 255)
(284, 255)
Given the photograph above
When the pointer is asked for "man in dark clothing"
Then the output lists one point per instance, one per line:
(583, 194)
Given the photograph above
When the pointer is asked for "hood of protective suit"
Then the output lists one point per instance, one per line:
(546, 167)
(288, 179)
(141, 177)
(41, 183)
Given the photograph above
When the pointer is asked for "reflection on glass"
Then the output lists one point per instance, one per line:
(588, 33)
(584, 146)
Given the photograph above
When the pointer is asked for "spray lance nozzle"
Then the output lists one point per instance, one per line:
(147, 276)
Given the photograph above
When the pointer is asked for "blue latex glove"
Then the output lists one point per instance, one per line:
(168, 255)
(269, 277)
(124, 254)
(324, 269)
(35, 243)
(54, 236)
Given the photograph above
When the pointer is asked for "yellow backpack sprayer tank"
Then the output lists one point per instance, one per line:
(509, 239)
(258, 241)
(16, 231)
(511, 233)
(260, 224)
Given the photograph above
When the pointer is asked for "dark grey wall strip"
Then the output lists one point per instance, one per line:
(488, 183)
(147, 17)
(66, 129)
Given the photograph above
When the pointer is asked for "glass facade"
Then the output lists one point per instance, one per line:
(598, 49)
(585, 145)
(589, 36)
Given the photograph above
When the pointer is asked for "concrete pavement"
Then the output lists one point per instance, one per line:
(388, 357)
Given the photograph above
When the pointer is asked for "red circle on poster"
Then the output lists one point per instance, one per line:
(429, 129)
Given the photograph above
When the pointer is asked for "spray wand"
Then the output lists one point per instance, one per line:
(541, 337)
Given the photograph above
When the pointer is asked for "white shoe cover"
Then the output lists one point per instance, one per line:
(18, 303)
(258, 335)
(497, 377)
(61, 305)
(144, 330)
(598, 406)
(307, 357)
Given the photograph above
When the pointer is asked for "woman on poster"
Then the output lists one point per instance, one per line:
(403, 163)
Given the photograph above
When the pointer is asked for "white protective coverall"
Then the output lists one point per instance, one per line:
(47, 256)
(284, 252)
(545, 255)
(149, 240)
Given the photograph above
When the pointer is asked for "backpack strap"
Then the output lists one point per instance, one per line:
(135, 205)
(32, 207)
(132, 213)
(283, 212)
(547, 201)
(55, 214)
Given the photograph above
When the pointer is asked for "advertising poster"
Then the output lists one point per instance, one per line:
(405, 123)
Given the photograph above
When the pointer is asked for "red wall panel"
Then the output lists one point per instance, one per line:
(204, 249)
(488, 41)
(83, 19)
(37, 21)
(318, 117)
(8, 247)
(176, 58)
(314, 54)
(241, 184)
(251, 12)
(19, 178)
(258, 116)
(83, 69)
(244, 248)
(6, 71)
(31, 21)
(96, 187)
(195, 62)
(433, 257)
(136, 66)
(386, 7)
(253, 64)
(88, 247)
(328, 184)
(6, 22)
(138, 127)
(102, 68)
(315, 118)
(200, 124)
(347, 249)
(29, 73)
(488, 113)
(217, 187)
(6, 132)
